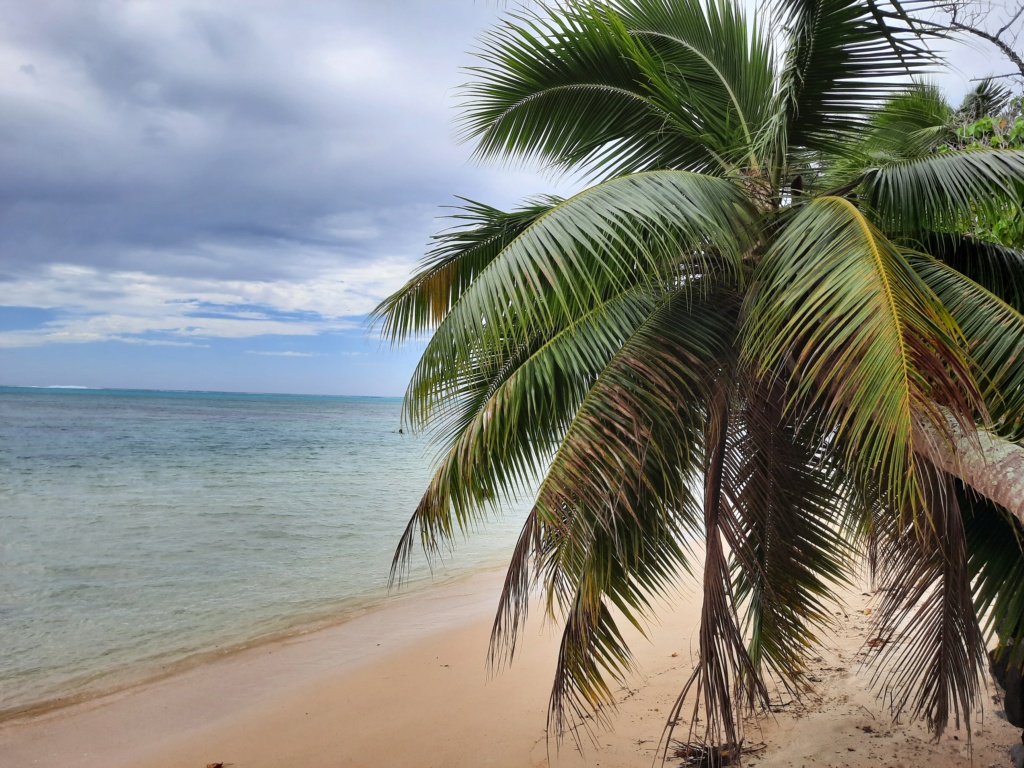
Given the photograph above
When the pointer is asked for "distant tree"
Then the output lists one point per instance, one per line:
(991, 117)
(776, 323)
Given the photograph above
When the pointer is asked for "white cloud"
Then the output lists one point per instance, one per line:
(97, 305)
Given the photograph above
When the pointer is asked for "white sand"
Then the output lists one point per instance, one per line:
(406, 686)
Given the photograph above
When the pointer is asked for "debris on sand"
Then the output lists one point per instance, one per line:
(707, 756)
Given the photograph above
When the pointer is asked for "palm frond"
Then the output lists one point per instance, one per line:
(514, 603)
(997, 268)
(994, 333)
(592, 652)
(564, 85)
(656, 229)
(616, 504)
(711, 70)
(913, 124)
(953, 192)
(791, 551)
(988, 98)
(725, 680)
(578, 489)
(995, 543)
(514, 410)
(843, 61)
(863, 338)
(451, 266)
(932, 652)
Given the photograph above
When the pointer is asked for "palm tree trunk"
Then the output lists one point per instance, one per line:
(992, 466)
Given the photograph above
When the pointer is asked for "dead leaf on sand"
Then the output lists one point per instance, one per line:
(706, 756)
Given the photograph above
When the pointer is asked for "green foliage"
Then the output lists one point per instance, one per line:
(790, 275)
(990, 118)
(1003, 130)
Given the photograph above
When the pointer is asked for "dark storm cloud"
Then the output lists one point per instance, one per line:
(159, 135)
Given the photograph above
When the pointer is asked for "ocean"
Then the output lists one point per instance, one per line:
(141, 531)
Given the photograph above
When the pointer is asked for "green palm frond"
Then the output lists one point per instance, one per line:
(618, 568)
(451, 266)
(618, 88)
(654, 229)
(914, 124)
(514, 410)
(988, 98)
(710, 69)
(949, 192)
(592, 650)
(617, 499)
(996, 558)
(997, 268)
(790, 552)
(994, 333)
(842, 64)
(920, 107)
(554, 85)
(514, 603)
(864, 337)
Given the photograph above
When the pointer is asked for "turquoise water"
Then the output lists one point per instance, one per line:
(141, 529)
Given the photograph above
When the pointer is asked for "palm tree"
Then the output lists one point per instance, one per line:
(764, 341)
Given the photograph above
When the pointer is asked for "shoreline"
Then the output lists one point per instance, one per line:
(407, 685)
(87, 687)
(335, 644)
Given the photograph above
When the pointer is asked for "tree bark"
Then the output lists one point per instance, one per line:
(992, 466)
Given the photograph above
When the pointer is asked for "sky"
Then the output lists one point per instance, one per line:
(212, 195)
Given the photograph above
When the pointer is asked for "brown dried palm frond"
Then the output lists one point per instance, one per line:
(933, 652)
(725, 680)
(790, 548)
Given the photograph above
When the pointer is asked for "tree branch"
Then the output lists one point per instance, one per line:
(1011, 22)
(1006, 50)
(994, 77)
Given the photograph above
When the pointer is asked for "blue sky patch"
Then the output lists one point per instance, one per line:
(25, 318)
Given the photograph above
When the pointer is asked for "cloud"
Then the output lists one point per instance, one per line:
(291, 157)
(72, 335)
(199, 169)
(88, 304)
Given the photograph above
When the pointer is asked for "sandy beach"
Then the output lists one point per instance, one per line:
(406, 685)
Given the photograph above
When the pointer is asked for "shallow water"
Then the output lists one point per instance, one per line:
(139, 529)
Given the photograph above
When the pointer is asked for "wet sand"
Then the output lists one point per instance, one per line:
(406, 685)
